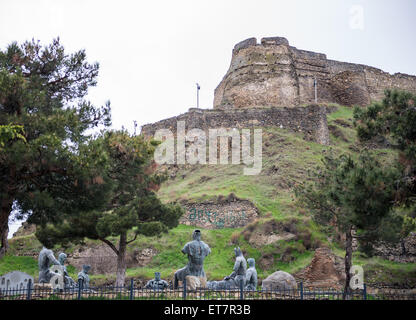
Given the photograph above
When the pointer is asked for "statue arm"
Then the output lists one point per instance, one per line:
(185, 249)
(52, 259)
(236, 266)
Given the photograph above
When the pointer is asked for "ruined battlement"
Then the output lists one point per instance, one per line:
(310, 120)
(273, 73)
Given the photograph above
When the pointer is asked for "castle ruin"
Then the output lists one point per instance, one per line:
(273, 73)
(272, 84)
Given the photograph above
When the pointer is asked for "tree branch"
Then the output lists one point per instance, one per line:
(135, 237)
(110, 244)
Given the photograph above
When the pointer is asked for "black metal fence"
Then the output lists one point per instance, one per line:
(131, 292)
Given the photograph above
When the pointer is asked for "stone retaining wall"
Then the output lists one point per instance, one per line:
(217, 215)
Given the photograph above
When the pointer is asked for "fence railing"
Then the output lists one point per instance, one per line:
(130, 292)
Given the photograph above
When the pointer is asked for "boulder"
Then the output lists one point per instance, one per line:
(279, 280)
(193, 282)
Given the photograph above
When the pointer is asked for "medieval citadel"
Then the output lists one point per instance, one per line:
(273, 84)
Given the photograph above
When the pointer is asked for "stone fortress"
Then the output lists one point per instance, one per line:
(272, 84)
(273, 73)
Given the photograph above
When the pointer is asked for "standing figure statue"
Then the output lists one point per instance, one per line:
(196, 250)
(68, 281)
(45, 260)
(239, 271)
(157, 283)
(251, 275)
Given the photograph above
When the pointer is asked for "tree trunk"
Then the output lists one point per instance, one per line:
(6, 208)
(121, 260)
(348, 261)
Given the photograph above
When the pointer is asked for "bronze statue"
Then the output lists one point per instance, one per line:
(157, 283)
(196, 250)
(83, 275)
(251, 275)
(45, 260)
(235, 278)
(68, 281)
(239, 271)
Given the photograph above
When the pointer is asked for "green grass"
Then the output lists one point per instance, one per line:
(287, 157)
(26, 264)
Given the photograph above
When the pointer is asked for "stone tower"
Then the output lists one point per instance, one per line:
(273, 73)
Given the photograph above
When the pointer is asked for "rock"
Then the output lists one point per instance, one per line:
(193, 283)
(279, 280)
(403, 252)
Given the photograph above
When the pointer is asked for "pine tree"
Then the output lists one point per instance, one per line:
(354, 196)
(128, 181)
(42, 92)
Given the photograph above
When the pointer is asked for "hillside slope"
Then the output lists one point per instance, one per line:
(283, 237)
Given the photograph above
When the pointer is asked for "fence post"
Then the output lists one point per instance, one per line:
(365, 292)
(184, 288)
(79, 288)
(301, 290)
(241, 289)
(29, 289)
(131, 289)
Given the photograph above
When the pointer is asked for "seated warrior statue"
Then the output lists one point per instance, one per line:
(157, 283)
(234, 279)
(45, 261)
(196, 250)
(68, 281)
(251, 275)
(239, 271)
(83, 275)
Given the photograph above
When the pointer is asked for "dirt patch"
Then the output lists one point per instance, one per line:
(325, 270)
(263, 239)
(336, 132)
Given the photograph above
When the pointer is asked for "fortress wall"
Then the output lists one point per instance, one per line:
(259, 76)
(376, 80)
(310, 65)
(274, 73)
(310, 120)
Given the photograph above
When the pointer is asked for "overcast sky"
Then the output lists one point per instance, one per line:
(151, 53)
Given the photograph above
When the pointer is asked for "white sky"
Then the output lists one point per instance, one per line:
(152, 53)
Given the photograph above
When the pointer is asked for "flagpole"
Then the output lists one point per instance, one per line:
(197, 95)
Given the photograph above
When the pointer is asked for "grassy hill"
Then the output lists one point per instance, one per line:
(286, 159)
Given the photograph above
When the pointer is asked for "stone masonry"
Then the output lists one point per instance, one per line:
(273, 73)
(311, 120)
(228, 213)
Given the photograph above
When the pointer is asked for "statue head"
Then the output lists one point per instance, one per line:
(196, 235)
(251, 262)
(62, 258)
(238, 252)
(157, 276)
(86, 268)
